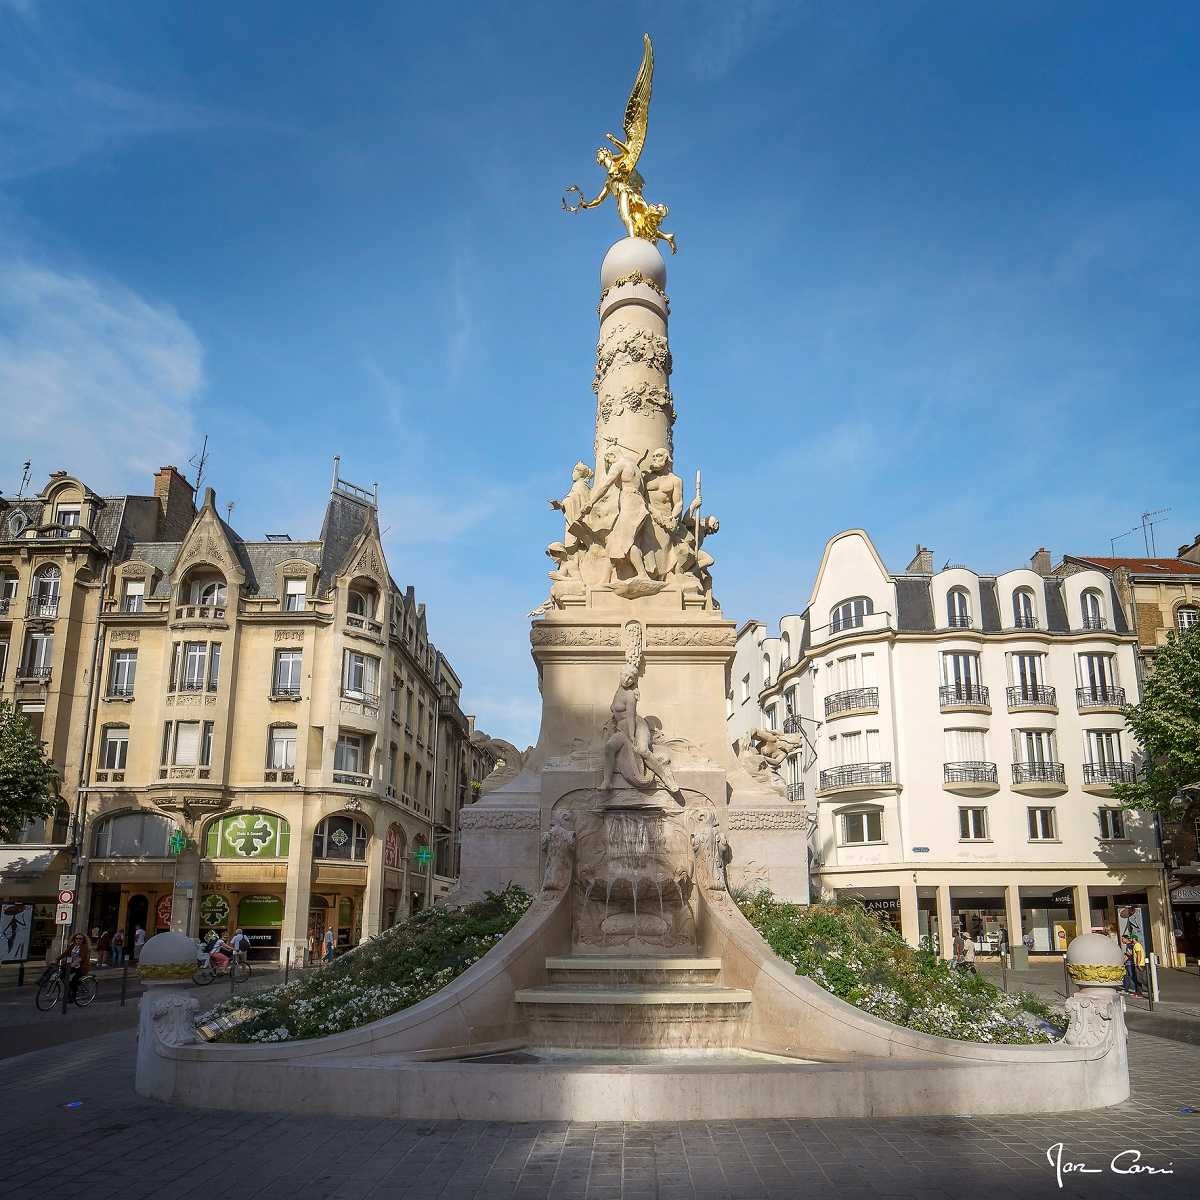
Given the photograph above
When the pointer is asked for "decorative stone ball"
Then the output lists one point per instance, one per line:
(629, 255)
(1095, 960)
(167, 958)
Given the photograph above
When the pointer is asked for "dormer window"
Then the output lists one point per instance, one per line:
(135, 595)
(295, 595)
(850, 614)
(958, 609)
(1024, 612)
(211, 594)
(17, 523)
(356, 604)
(67, 514)
(1093, 609)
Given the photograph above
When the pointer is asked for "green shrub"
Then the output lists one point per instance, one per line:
(391, 972)
(860, 959)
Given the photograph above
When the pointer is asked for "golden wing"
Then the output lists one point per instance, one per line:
(637, 110)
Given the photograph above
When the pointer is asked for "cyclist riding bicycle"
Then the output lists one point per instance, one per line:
(217, 951)
(78, 961)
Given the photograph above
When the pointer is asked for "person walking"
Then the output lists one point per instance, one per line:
(116, 948)
(329, 941)
(239, 944)
(968, 958)
(1139, 965)
(103, 946)
(139, 940)
(1130, 984)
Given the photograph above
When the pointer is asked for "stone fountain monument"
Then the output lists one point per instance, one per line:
(633, 988)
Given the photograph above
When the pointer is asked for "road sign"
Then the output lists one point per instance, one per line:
(66, 896)
(68, 883)
(63, 914)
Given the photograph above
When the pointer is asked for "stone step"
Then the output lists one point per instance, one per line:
(629, 995)
(611, 971)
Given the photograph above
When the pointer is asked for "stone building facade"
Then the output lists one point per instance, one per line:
(251, 732)
(956, 737)
(1161, 596)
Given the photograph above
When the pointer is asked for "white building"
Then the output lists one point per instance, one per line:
(963, 735)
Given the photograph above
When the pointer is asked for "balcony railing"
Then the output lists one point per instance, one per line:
(795, 793)
(1032, 695)
(4, 604)
(42, 608)
(279, 775)
(352, 779)
(791, 725)
(1094, 623)
(29, 671)
(1043, 772)
(200, 612)
(959, 621)
(1104, 696)
(971, 772)
(1023, 622)
(852, 698)
(1111, 772)
(363, 623)
(110, 776)
(955, 695)
(189, 685)
(841, 624)
(282, 691)
(119, 691)
(361, 696)
(856, 775)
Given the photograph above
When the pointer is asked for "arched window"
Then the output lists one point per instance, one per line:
(247, 835)
(1187, 616)
(341, 837)
(785, 650)
(766, 665)
(213, 593)
(134, 835)
(356, 604)
(395, 847)
(17, 521)
(1093, 609)
(46, 584)
(958, 608)
(849, 614)
(204, 586)
(1024, 611)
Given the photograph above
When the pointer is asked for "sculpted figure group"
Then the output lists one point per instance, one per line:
(630, 529)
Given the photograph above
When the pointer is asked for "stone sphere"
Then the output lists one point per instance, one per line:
(1094, 958)
(166, 957)
(633, 254)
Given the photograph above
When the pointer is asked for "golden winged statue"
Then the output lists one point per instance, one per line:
(623, 182)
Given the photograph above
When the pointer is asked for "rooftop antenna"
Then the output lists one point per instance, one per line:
(1112, 541)
(229, 512)
(26, 475)
(199, 461)
(1148, 530)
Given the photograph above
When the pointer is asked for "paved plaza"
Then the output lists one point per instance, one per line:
(115, 1144)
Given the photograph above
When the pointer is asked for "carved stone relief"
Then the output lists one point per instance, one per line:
(289, 635)
(792, 817)
(497, 818)
(631, 345)
(685, 635)
(125, 635)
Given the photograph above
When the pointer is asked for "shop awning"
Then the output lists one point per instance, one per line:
(26, 862)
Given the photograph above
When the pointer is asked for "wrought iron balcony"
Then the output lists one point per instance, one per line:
(959, 621)
(1034, 772)
(971, 772)
(189, 685)
(791, 724)
(856, 775)
(29, 671)
(353, 779)
(1104, 696)
(42, 608)
(4, 604)
(852, 698)
(281, 691)
(1094, 623)
(1031, 695)
(958, 695)
(119, 691)
(1110, 772)
(795, 792)
(1024, 622)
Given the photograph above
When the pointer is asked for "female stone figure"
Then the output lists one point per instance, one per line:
(627, 748)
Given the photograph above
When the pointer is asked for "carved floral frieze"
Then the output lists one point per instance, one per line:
(634, 277)
(498, 818)
(575, 635)
(766, 818)
(632, 345)
(685, 635)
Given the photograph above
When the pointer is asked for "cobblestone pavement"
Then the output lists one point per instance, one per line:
(117, 1145)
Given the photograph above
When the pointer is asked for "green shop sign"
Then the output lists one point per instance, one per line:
(214, 910)
(260, 912)
(248, 835)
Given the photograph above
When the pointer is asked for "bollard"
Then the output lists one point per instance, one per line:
(64, 974)
(124, 982)
(287, 965)
(21, 973)
(1066, 981)
(1007, 964)
(1152, 990)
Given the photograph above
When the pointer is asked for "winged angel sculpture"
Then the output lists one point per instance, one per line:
(624, 183)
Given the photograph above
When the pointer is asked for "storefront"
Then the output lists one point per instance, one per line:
(982, 919)
(884, 902)
(1185, 904)
(1049, 919)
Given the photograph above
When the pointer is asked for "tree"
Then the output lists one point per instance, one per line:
(1166, 725)
(28, 779)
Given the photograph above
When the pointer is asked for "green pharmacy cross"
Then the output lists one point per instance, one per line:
(177, 843)
(423, 855)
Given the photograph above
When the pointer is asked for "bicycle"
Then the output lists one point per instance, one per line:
(206, 973)
(50, 989)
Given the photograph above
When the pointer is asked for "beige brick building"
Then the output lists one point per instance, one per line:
(253, 732)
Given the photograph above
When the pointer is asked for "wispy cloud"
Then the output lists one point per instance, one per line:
(93, 377)
(461, 319)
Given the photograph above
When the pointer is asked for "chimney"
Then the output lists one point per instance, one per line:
(176, 507)
(1040, 562)
(1191, 553)
(922, 562)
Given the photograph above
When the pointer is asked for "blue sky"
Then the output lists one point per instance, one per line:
(938, 275)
